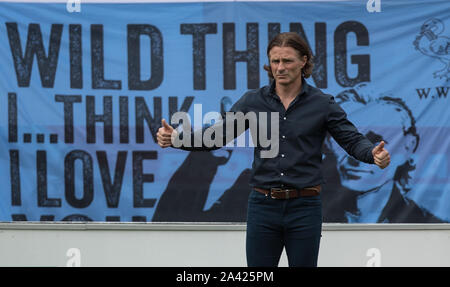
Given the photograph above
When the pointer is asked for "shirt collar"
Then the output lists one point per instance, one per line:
(272, 93)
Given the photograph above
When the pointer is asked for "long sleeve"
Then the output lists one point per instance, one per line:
(222, 135)
(347, 135)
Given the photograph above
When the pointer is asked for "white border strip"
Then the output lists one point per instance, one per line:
(204, 226)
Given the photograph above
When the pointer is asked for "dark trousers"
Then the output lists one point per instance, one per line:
(295, 224)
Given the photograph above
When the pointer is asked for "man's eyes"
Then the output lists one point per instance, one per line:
(284, 61)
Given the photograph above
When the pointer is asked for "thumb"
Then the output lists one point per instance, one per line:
(379, 147)
(166, 125)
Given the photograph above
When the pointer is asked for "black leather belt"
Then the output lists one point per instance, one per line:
(286, 193)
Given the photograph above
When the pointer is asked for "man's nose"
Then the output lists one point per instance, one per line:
(280, 67)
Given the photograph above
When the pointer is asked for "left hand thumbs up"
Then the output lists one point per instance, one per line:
(381, 156)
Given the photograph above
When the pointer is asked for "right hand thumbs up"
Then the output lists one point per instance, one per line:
(166, 125)
(164, 134)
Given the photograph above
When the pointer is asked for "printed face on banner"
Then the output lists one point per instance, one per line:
(380, 120)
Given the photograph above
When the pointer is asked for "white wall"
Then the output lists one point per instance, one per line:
(152, 244)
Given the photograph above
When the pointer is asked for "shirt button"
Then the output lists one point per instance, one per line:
(284, 118)
(282, 155)
(283, 137)
(282, 174)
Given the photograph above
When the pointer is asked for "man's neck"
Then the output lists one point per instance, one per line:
(288, 91)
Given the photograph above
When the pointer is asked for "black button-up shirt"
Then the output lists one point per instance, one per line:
(302, 130)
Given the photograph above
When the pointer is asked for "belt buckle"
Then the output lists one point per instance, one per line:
(278, 189)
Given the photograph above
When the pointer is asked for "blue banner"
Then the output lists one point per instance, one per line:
(83, 92)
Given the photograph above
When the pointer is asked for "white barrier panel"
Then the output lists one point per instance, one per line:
(185, 244)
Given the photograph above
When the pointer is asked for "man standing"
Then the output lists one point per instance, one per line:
(284, 209)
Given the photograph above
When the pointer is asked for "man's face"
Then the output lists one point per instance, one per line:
(377, 121)
(286, 65)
